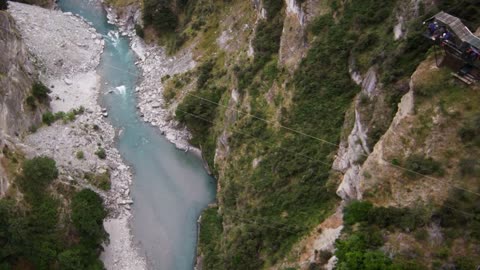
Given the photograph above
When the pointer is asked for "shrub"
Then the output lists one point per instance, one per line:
(69, 117)
(420, 165)
(100, 180)
(40, 91)
(48, 118)
(80, 155)
(87, 216)
(139, 31)
(31, 102)
(470, 132)
(204, 73)
(356, 211)
(101, 153)
(159, 15)
(37, 174)
(59, 115)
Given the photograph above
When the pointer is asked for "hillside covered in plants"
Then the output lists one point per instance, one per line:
(335, 139)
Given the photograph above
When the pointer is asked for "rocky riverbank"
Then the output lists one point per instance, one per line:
(156, 64)
(67, 51)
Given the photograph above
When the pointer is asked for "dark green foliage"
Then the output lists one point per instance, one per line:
(358, 251)
(210, 233)
(357, 211)
(101, 154)
(139, 31)
(30, 100)
(204, 73)
(267, 40)
(266, 43)
(321, 23)
(419, 165)
(470, 132)
(3, 4)
(35, 236)
(38, 173)
(48, 118)
(87, 216)
(460, 212)
(383, 217)
(469, 167)
(40, 91)
(273, 8)
(160, 15)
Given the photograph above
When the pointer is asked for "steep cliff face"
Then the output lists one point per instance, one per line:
(294, 106)
(17, 75)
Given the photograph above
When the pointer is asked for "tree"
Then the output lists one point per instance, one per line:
(39, 90)
(159, 14)
(71, 259)
(87, 216)
(37, 174)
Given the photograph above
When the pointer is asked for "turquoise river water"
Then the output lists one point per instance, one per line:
(170, 188)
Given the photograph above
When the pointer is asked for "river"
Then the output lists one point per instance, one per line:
(170, 188)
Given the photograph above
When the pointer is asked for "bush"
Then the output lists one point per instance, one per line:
(40, 91)
(101, 153)
(420, 165)
(356, 211)
(159, 14)
(37, 174)
(139, 31)
(69, 117)
(80, 155)
(48, 118)
(470, 132)
(87, 216)
(31, 102)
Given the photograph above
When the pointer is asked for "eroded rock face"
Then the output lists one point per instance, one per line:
(349, 158)
(17, 74)
(293, 44)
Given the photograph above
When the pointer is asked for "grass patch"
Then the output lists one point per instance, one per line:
(210, 237)
(100, 180)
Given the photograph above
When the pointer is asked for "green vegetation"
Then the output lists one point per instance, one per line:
(419, 165)
(470, 132)
(48, 118)
(359, 248)
(100, 180)
(276, 185)
(87, 216)
(367, 228)
(30, 100)
(139, 31)
(80, 155)
(198, 111)
(101, 154)
(35, 235)
(40, 91)
(210, 233)
(160, 15)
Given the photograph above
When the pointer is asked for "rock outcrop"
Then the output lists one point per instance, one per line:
(17, 74)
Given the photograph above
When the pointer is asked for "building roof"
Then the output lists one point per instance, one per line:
(458, 28)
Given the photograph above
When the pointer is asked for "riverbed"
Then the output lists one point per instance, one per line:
(170, 187)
